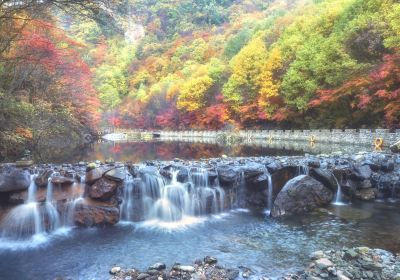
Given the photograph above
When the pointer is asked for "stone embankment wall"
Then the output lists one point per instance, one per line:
(359, 136)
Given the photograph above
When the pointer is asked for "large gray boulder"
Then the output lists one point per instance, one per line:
(395, 148)
(14, 179)
(300, 195)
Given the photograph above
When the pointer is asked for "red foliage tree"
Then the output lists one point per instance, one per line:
(377, 93)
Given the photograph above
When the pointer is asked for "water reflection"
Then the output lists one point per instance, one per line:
(191, 148)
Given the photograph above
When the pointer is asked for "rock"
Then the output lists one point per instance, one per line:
(24, 163)
(117, 174)
(115, 270)
(94, 174)
(95, 215)
(61, 180)
(323, 263)
(158, 266)
(184, 268)
(43, 177)
(252, 170)
(274, 166)
(102, 189)
(14, 179)
(227, 175)
(325, 177)
(210, 260)
(183, 174)
(90, 166)
(395, 148)
(365, 194)
(362, 172)
(142, 276)
(388, 166)
(317, 255)
(299, 195)
(313, 163)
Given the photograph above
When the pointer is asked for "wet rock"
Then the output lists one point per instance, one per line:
(253, 170)
(274, 166)
(43, 177)
(323, 263)
(89, 215)
(95, 174)
(210, 260)
(227, 175)
(102, 189)
(313, 163)
(357, 264)
(114, 270)
(388, 166)
(362, 172)
(116, 174)
(142, 276)
(158, 266)
(325, 177)
(14, 179)
(395, 148)
(365, 194)
(183, 175)
(299, 195)
(61, 180)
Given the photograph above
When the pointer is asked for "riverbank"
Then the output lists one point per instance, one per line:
(348, 263)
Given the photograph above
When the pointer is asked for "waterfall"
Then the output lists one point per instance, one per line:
(303, 170)
(339, 195)
(165, 200)
(270, 190)
(33, 218)
(24, 220)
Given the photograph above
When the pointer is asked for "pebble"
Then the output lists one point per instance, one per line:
(114, 270)
(323, 263)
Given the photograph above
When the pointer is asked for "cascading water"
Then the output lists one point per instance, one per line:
(270, 190)
(170, 200)
(339, 194)
(36, 219)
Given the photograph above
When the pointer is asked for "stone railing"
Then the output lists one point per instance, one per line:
(359, 136)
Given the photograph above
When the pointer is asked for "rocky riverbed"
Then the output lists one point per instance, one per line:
(285, 185)
(358, 263)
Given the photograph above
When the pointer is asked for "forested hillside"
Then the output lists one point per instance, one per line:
(252, 63)
(68, 67)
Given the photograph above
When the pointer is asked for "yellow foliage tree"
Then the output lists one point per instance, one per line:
(268, 83)
(246, 68)
(193, 93)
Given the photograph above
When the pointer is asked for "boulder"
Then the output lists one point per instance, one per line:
(95, 174)
(227, 175)
(253, 170)
(183, 174)
(388, 166)
(61, 180)
(274, 166)
(362, 172)
(90, 215)
(14, 179)
(116, 174)
(102, 189)
(326, 177)
(42, 178)
(300, 195)
(395, 148)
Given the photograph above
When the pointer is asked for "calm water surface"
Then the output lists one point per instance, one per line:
(268, 246)
(159, 150)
